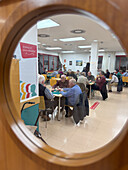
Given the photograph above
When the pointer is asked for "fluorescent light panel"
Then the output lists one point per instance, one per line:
(72, 39)
(47, 23)
(67, 51)
(87, 46)
(101, 50)
(53, 48)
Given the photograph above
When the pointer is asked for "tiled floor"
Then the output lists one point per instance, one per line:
(103, 124)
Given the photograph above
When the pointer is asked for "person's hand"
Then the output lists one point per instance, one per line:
(89, 81)
(52, 89)
(44, 85)
(60, 89)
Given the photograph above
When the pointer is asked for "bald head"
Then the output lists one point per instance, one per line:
(72, 82)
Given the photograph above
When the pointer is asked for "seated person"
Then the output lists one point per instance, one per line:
(71, 94)
(44, 91)
(100, 83)
(78, 73)
(69, 72)
(90, 77)
(114, 82)
(83, 79)
(125, 74)
(73, 75)
(45, 71)
(63, 83)
(54, 73)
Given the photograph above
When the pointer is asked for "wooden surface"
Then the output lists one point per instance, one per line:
(15, 83)
(34, 99)
(18, 148)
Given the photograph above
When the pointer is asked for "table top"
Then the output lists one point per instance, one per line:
(57, 93)
(91, 83)
(56, 78)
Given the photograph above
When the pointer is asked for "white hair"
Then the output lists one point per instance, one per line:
(72, 81)
(63, 76)
(41, 79)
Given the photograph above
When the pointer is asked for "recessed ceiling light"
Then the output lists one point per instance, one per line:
(53, 48)
(43, 35)
(47, 23)
(78, 31)
(67, 51)
(55, 40)
(95, 40)
(72, 39)
(38, 43)
(85, 46)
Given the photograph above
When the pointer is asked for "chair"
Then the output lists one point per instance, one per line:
(58, 76)
(125, 79)
(81, 108)
(45, 75)
(42, 107)
(52, 82)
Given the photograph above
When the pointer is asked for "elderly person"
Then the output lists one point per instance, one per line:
(83, 79)
(63, 83)
(90, 77)
(100, 85)
(48, 96)
(71, 94)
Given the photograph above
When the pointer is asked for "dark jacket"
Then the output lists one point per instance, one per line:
(103, 91)
(81, 108)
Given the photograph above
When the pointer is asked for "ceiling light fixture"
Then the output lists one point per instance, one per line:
(38, 43)
(43, 35)
(55, 40)
(47, 23)
(85, 46)
(53, 48)
(72, 39)
(67, 51)
(78, 31)
(101, 50)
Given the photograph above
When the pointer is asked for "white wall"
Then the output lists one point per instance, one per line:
(73, 57)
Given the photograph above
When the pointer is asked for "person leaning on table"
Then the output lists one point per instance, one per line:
(71, 94)
(48, 96)
(114, 82)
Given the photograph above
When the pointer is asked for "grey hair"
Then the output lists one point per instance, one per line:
(41, 78)
(63, 76)
(73, 81)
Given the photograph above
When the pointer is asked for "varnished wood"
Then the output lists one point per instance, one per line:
(14, 83)
(18, 148)
(35, 99)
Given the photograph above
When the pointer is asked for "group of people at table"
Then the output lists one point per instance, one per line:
(70, 90)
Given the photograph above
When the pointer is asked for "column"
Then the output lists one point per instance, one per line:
(94, 58)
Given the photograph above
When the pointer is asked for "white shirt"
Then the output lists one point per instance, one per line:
(114, 79)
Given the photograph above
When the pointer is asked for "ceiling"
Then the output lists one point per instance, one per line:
(69, 22)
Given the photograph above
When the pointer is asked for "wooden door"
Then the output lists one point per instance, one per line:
(18, 148)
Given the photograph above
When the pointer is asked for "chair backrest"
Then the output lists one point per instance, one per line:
(52, 77)
(52, 82)
(82, 86)
(58, 76)
(42, 103)
(125, 79)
